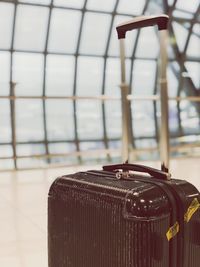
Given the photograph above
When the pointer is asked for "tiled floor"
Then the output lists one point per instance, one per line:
(23, 211)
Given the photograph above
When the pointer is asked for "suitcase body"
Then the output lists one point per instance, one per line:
(94, 219)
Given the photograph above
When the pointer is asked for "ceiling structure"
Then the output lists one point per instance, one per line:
(57, 59)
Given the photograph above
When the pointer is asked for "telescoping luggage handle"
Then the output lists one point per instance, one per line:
(139, 22)
(126, 167)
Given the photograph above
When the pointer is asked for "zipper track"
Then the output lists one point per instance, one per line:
(99, 185)
(108, 174)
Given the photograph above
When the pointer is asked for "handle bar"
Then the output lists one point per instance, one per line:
(143, 21)
(138, 168)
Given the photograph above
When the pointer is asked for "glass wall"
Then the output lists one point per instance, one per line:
(60, 77)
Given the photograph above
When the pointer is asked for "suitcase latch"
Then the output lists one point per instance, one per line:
(120, 174)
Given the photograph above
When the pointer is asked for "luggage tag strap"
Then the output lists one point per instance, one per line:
(123, 171)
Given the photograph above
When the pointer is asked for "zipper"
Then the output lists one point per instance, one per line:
(97, 184)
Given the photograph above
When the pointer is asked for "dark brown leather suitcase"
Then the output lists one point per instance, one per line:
(118, 218)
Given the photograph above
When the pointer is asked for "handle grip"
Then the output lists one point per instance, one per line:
(143, 21)
(138, 168)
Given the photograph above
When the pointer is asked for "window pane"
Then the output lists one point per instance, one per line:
(115, 145)
(59, 75)
(188, 6)
(101, 5)
(170, 52)
(114, 42)
(89, 146)
(30, 149)
(113, 76)
(190, 120)
(146, 143)
(143, 118)
(6, 24)
(144, 74)
(64, 29)
(148, 46)
(5, 123)
(31, 28)
(113, 119)
(6, 164)
(31, 163)
(69, 3)
(28, 73)
(62, 148)
(196, 28)
(194, 72)
(131, 7)
(194, 46)
(60, 120)
(43, 2)
(6, 151)
(173, 117)
(154, 7)
(89, 117)
(181, 35)
(95, 33)
(29, 120)
(90, 73)
(172, 82)
(86, 146)
(4, 73)
(182, 14)
(170, 2)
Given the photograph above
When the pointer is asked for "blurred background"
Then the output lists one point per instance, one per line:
(60, 102)
(60, 75)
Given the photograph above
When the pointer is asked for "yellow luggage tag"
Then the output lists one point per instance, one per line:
(194, 206)
(173, 231)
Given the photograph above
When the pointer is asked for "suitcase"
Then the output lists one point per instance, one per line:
(119, 217)
(125, 215)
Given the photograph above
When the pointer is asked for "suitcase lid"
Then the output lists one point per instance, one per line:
(155, 194)
(141, 199)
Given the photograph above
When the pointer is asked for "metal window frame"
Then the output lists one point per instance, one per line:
(194, 95)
